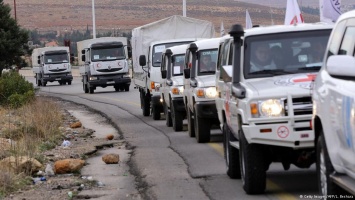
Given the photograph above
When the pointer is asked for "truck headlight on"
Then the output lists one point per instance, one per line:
(210, 92)
(92, 78)
(177, 90)
(267, 108)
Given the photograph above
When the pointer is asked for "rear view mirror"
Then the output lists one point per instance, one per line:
(83, 58)
(341, 66)
(187, 73)
(163, 74)
(142, 60)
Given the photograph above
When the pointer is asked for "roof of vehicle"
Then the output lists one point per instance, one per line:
(208, 43)
(173, 40)
(180, 49)
(287, 28)
(347, 15)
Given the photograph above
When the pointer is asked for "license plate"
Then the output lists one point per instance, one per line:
(58, 79)
(110, 82)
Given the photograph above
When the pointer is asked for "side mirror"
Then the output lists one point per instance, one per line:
(341, 66)
(163, 74)
(238, 91)
(83, 51)
(129, 49)
(226, 73)
(142, 60)
(187, 73)
(38, 61)
(71, 58)
(83, 58)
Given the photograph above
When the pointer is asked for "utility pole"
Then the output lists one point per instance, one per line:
(93, 20)
(184, 8)
(15, 10)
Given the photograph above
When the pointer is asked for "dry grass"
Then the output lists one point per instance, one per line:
(33, 128)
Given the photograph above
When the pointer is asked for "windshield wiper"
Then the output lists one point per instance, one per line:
(312, 68)
(208, 72)
(271, 72)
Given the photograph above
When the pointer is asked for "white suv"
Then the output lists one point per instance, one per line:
(200, 88)
(268, 105)
(334, 112)
(172, 67)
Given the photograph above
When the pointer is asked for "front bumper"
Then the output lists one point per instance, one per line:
(206, 109)
(57, 77)
(294, 133)
(110, 80)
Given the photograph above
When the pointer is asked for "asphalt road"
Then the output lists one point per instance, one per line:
(170, 165)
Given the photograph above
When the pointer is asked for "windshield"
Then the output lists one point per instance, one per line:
(178, 64)
(284, 53)
(56, 58)
(158, 50)
(207, 60)
(106, 54)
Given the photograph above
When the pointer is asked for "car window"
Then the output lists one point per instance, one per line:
(336, 39)
(347, 45)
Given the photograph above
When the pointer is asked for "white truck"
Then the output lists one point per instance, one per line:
(334, 113)
(172, 68)
(103, 62)
(268, 106)
(51, 64)
(200, 88)
(148, 43)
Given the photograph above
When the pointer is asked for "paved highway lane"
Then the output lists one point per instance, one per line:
(171, 165)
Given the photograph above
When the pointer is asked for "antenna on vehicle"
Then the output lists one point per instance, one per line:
(272, 18)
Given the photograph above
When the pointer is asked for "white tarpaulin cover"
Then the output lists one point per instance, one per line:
(173, 27)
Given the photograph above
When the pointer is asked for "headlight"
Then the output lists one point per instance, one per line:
(210, 92)
(177, 90)
(93, 78)
(268, 108)
(126, 76)
(46, 76)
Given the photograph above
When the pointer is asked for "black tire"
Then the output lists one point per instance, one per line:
(39, 83)
(168, 120)
(91, 90)
(202, 129)
(69, 82)
(85, 87)
(252, 165)
(177, 118)
(126, 88)
(44, 83)
(155, 112)
(117, 89)
(324, 168)
(190, 123)
(145, 104)
(231, 154)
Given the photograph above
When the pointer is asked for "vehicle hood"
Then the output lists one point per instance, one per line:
(295, 84)
(178, 80)
(206, 81)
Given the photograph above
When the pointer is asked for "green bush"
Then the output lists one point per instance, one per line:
(15, 91)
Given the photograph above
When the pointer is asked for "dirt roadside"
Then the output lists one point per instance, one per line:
(96, 180)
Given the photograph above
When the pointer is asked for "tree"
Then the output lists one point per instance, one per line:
(13, 39)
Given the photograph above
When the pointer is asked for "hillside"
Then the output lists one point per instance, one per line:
(123, 15)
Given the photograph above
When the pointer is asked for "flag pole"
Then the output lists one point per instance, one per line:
(184, 8)
(93, 20)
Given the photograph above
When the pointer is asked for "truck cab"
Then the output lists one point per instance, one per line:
(269, 105)
(334, 112)
(105, 64)
(52, 64)
(200, 88)
(172, 68)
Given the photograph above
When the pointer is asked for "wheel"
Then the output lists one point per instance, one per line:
(60, 82)
(231, 154)
(167, 116)
(91, 90)
(145, 104)
(69, 82)
(190, 123)
(117, 89)
(126, 88)
(44, 83)
(324, 168)
(155, 112)
(202, 129)
(39, 83)
(85, 87)
(176, 118)
(252, 164)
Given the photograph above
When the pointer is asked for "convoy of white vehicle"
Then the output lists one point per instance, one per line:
(258, 86)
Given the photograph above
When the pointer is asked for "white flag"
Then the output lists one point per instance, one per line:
(331, 9)
(248, 22)
(222, 30)
(293, 13)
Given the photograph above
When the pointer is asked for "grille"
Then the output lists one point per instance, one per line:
(109, 70)
(57, 70)
(301, 106)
